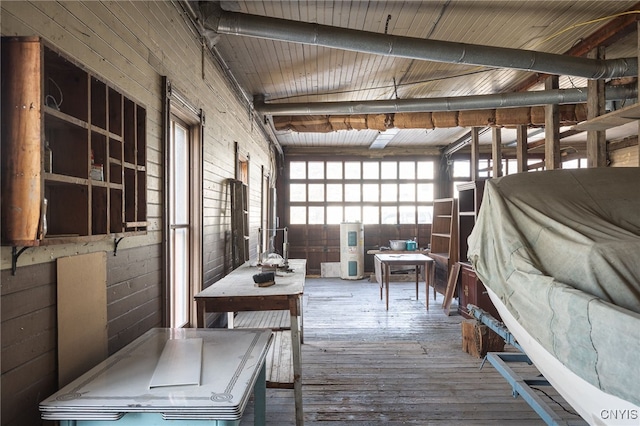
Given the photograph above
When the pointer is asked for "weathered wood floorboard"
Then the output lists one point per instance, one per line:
(363, 365)
(279, 361)
(275, 320)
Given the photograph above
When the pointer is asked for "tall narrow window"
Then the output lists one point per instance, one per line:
(185, 220)
(183, 188)
(243, 170)
(179, 227)
(240, 210)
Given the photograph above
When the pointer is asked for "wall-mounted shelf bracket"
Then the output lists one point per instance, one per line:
(15, 254)
(116, 241)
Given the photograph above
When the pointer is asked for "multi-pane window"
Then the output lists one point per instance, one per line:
(370, 191)
(576, 163)
(461, 171)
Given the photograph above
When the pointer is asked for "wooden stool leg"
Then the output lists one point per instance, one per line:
(381, 279)
(417, 279)
(426, 271)
(386, 280)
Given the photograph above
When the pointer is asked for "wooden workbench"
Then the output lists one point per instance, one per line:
(237, 292)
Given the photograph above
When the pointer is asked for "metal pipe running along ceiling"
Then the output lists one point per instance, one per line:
(224, 22)
(461, 103)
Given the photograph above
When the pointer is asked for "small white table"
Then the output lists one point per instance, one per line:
(119, 390)
(415, 259)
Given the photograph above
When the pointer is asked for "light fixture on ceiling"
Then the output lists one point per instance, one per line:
(383, 138)
(514, 142)
(462, 142)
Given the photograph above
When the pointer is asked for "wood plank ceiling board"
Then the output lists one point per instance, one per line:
(624, 49)
(82, 314)
(289, 72)
(357, 138)
(475, 38)
(411, 137)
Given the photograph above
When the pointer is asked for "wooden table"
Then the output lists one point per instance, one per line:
(237, 292)
(180, 377)
(378, 267)
(416, 259)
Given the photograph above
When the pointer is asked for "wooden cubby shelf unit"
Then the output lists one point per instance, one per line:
(444, 240)
(470, 289)
(92, 155)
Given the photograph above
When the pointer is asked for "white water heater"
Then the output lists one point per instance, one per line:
(351, 250)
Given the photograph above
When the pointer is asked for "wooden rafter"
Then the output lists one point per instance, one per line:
(610, 33)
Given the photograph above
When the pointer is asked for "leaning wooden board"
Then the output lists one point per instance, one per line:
(82, 314)
(451, 287)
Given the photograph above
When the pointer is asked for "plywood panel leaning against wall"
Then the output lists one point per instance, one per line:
(82, 314)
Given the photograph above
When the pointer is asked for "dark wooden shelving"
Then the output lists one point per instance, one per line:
(88, 126)
(470, 288)
(444, 240)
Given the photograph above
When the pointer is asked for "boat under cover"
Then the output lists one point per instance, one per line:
(560, 250)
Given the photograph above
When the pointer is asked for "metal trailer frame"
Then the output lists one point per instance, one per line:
(521, 386)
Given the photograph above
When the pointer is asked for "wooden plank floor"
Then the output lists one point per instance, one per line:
(362, 365)
(279, 361)
(275, 320)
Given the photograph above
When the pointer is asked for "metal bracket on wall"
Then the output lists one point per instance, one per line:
(15, 254)
(116, 241)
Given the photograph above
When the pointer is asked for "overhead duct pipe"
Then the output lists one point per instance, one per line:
(570, 114)
(234, 23)
(499, 100)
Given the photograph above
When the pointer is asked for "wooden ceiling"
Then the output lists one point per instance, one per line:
(286, 72)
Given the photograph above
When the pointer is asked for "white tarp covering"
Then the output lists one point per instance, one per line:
(562, 251)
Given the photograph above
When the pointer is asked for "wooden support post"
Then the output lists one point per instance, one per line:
(496, 151)
(596, 139)
(552, 158)
(522, 149)
(475, 152)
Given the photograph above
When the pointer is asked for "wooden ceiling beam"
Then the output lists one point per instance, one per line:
(612, 32)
